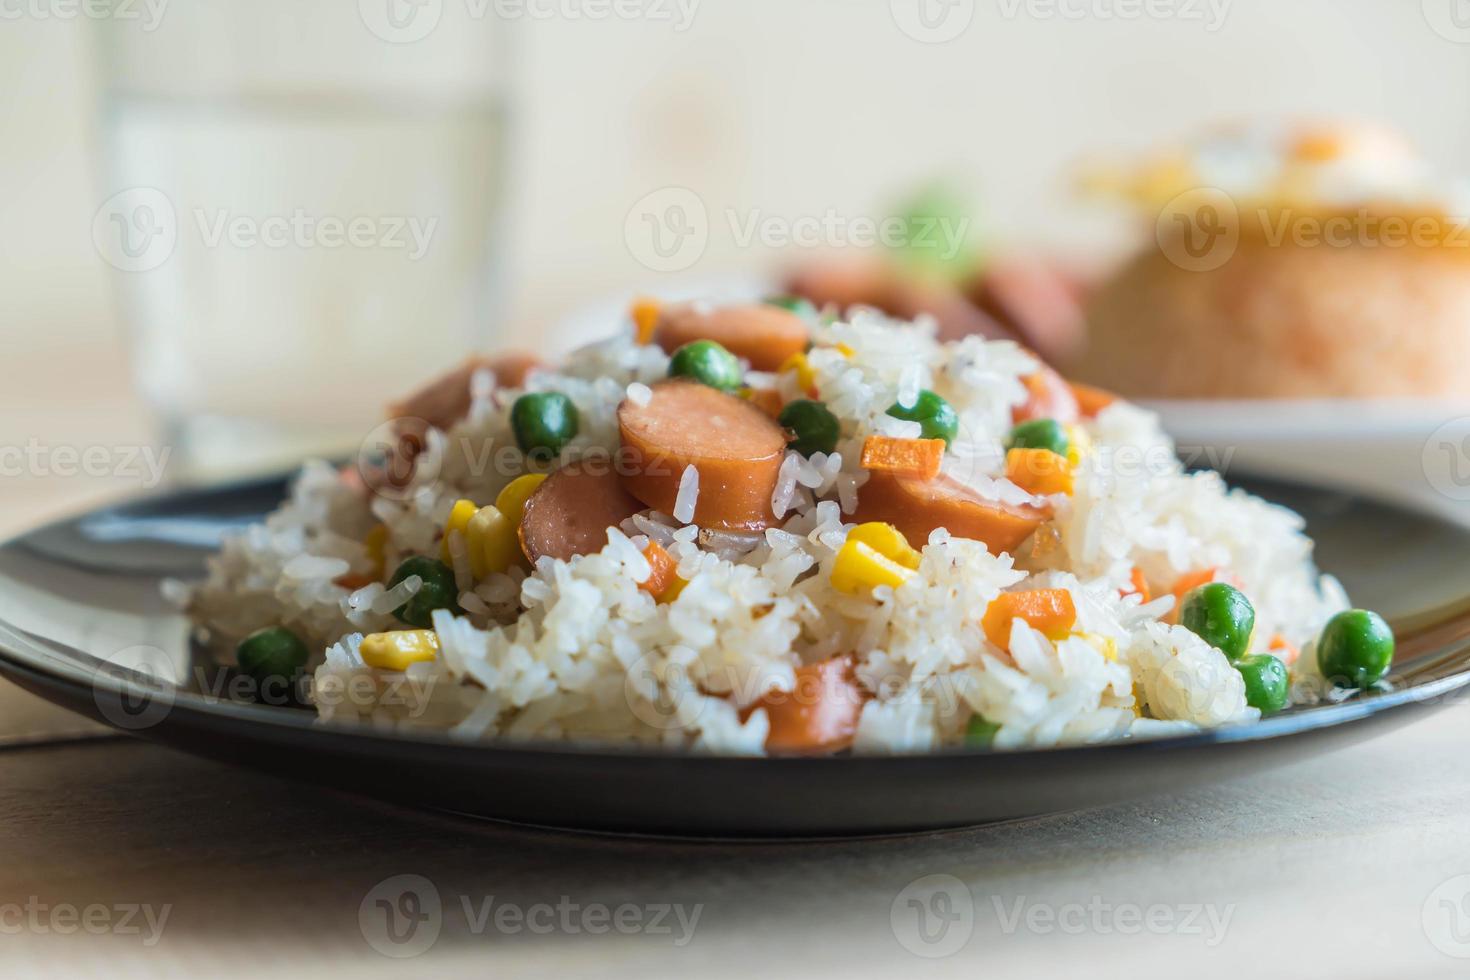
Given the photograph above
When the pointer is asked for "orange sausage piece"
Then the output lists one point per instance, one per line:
(735, 447)
(1048, 397)
(820, 715)
(1091, 401)
(917, 507)
(916, 458)
(764, 335)
(570, 512)
(445, 400)
(1049, 611)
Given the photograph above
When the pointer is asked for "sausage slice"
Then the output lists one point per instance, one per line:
(817, 717)
(570, 512)
(735, 447)
(917, 507)
(445, 400)
(764, 335)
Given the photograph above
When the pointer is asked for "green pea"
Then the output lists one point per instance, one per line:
(1222, 616)
(813, 426)
(544, 422)
(271, 652)
(980, 733)
(438, 590)
(1356, 649)
(1267, 685)
(708, 363)
(935, 415)
(799, 305)
(1041, 434)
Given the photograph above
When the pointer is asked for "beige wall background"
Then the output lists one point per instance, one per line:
(777, 108)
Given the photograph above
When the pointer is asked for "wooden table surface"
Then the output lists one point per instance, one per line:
(1344, 866)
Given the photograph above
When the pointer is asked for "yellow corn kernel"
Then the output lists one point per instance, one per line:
(645, 313)
(492, 541)
(672, 592)
(845, 351)
(806, 378)
(512, 500)
(376, 544)
(888, 541)
(459, 517)
(395, 651)
(1079, 444)
(860, 568)
(1105, 645)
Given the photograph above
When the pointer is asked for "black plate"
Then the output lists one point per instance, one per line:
(80, 604)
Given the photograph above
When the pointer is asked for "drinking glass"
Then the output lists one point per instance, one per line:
(300, 201)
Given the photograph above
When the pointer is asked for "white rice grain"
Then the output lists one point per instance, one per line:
(688, 497)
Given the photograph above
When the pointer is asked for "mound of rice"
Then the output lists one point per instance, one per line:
(576, 650)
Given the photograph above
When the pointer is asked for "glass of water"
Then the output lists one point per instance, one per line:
(299, 199)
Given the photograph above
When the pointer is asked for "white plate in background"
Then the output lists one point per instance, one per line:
(1412, 452)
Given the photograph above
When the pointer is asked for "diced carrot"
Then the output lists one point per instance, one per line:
(916, 458)
(819, 715)
(1091, 401)
(1139, 585)
(768, 400)
(1186, 584)
(665, 569)
(1284, 649)
(1051, 611)
(1039, 471)
(645, 313)
(1048, 397)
